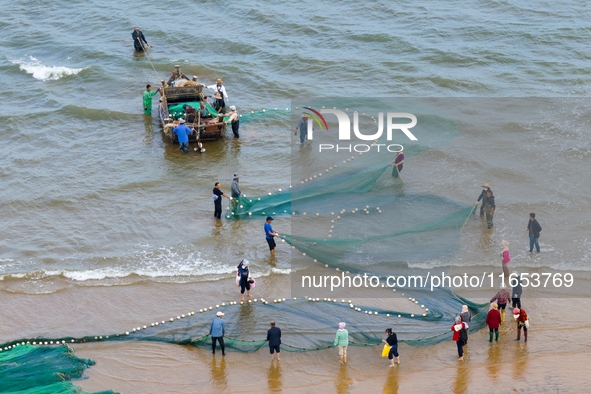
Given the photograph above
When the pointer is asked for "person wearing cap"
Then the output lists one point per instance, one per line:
(244, 273)
(489, 208)
(234, 121)
(274, 338)
(235, 186)
(482, 197)
(302, 128)
(341, 340)
(270, 234)
(522, 322)
(220, 95)
(182, 132)
(493, 321)
(217, 201)
(460, 335)
(217, 331)
(502, 297)
(176, 75)
(534, 228)
(138, 37)
(148, 94)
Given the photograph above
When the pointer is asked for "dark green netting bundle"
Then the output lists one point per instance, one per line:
(177, 111)
(30, 369)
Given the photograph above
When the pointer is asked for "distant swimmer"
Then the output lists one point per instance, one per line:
(302, 128)
(220, 95)
(176, 75)
(482, 197)
(148, 94)
(138, 37)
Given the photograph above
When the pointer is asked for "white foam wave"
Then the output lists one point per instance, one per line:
(42, 72)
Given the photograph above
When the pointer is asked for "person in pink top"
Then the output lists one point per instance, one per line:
(493, 321)
(502, 297)
(506, 257)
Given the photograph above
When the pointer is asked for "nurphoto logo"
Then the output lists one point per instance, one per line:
(345, 129)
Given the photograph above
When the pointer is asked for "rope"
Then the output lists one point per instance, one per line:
(146, 53)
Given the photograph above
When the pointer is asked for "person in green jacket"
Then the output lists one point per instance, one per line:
(342, 341)
(148, 94)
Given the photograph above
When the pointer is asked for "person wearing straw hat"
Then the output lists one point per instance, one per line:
(217, 331)
(482, 197)
(302, 127)
(138, 37)
(220, 95)
(489, 208)
(234, 121)
(176, 75)
(147, 97)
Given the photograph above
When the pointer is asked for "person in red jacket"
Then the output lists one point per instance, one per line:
(460, 335)
(493, 321)
(522, 321)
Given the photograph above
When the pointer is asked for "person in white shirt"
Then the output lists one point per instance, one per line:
(220, 95)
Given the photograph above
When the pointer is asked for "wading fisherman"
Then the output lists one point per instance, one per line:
(148, 94)
(235, 121)
(302, 127)
(138, 37)
(483, 198)
(489, 208)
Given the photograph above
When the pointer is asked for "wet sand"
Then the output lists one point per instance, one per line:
(555, 359)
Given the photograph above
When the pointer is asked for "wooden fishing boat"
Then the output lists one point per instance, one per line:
(173, 98)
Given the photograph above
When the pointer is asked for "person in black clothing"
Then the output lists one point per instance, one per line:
(392, 341)
(217, 200)
(483, 198)
(138, 37)
(274, 338)
(534, 228)
(516, 293)
(244, 272)
(489, 208)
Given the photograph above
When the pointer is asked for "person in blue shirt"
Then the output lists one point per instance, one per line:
(182, 131)
(217, 331)
(270, 234)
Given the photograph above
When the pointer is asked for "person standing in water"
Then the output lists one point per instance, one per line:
(234, 121)
(502, 297)
(482, 197)
(270, 234)
(493, 321)
(217, 331)
(138, 37)
(489, 208)
(274, 338)
(522, 322)
(244, 273)
(217, 200)
(342, 341)
(302, 128)
(466, 317)
(517, 290)
(398, 163)
(534, 228)
(148, 94)
(505, 258)
(392, 341)
(460, 336)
